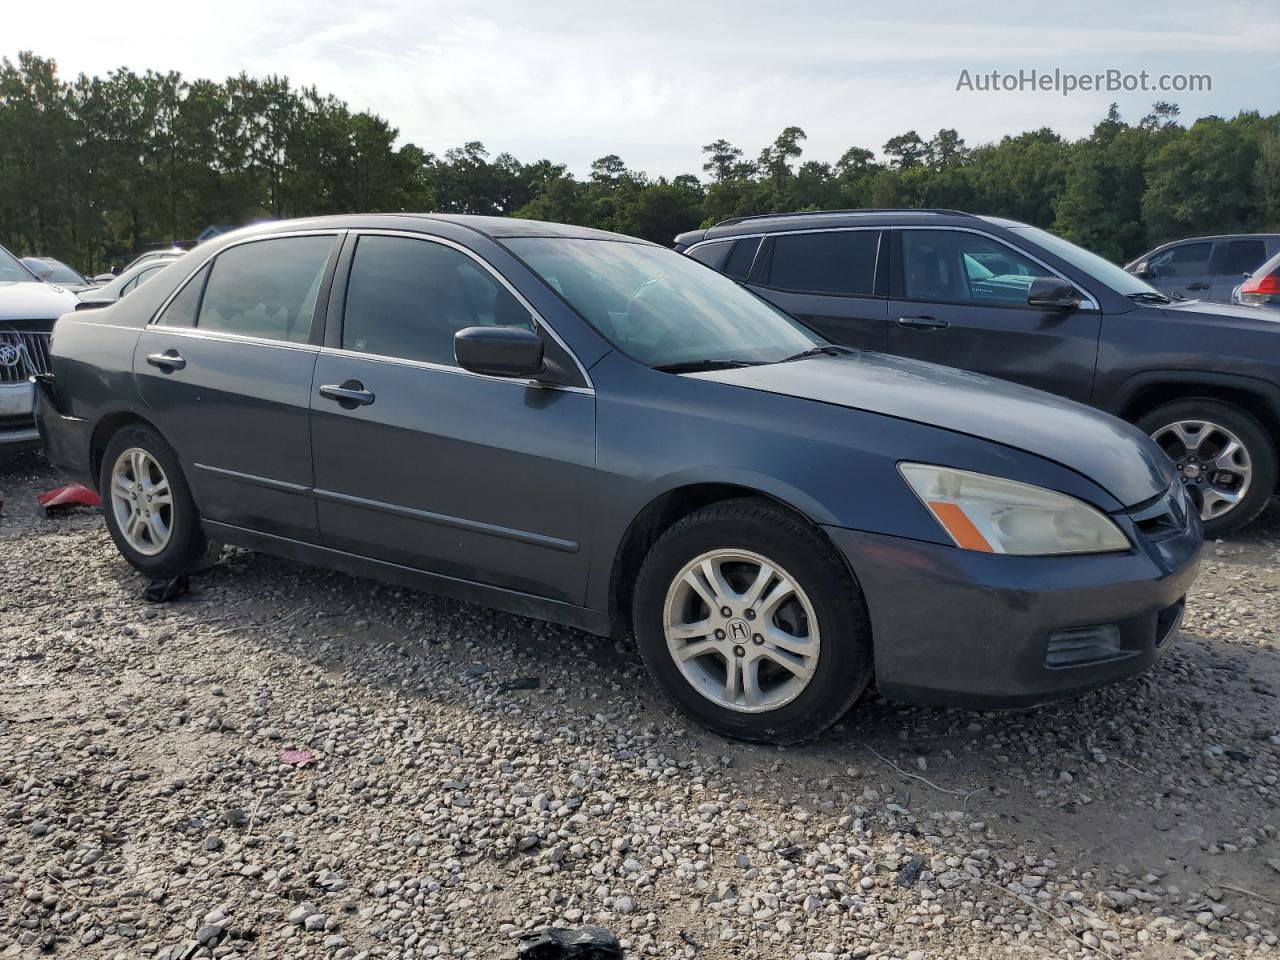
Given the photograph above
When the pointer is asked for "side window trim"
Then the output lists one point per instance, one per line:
(763, 263)
(898, 288)
(202, 273)
(337, 304)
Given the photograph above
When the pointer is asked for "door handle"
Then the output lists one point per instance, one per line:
(350, 394)
(168, 361)
(1198, 285)
(923, 323)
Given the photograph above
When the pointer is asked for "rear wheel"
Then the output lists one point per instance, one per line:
(752, 624)
(1225, 459)
(148, 506)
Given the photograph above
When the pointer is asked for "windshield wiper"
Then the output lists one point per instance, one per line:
(1149, 296)
(696, 366)
(825, 350)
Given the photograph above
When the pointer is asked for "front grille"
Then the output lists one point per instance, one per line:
(1165, 517)
(23, 353)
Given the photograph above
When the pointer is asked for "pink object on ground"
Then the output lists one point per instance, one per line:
(73, 495)
(298, 758)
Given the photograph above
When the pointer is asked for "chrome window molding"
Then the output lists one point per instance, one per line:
(195, 333)
(539, 321)
(1090, 304)
(447, 368)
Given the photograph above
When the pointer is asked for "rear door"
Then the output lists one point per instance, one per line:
(1233, 261)
(433, 467)
(226, 369)
(834, 281)
(959, 298)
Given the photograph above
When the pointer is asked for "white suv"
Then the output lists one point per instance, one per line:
(28, 308)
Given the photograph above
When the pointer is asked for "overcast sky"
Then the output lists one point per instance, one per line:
(652, 82)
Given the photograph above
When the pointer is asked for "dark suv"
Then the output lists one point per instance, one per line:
(1013, 301)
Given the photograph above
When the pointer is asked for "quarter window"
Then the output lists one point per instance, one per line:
(712, 254)
(838, 262)
(407, 298)
(182, 309)
(1186, 260)
(957, 267)
(267, 288)
(1243, 256)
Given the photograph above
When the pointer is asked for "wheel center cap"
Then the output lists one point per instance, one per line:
(738, 630)
(1191, 470)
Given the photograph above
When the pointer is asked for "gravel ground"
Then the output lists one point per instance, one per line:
(146, 811)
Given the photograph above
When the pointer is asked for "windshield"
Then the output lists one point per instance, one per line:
(660, 308)
(1102, 270)
(11, 271)
(62, 273)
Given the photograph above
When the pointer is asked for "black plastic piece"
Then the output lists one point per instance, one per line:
(558, 943)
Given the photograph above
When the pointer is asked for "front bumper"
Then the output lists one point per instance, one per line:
(980, 630)
(16, 424)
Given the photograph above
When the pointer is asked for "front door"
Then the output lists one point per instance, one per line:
(420, 463)
(960, 299)
(226, 370)
(1183, 270)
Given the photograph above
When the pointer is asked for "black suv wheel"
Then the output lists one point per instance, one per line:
(1225, 459)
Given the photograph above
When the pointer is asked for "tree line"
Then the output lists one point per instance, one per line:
(95, 169)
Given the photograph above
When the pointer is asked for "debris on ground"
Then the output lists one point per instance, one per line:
(584, 943)
(71, 495)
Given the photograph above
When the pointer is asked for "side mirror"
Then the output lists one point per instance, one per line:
(93, 304)
(1144, 270)
(499, 351)
(1052, 293)
(104, 277)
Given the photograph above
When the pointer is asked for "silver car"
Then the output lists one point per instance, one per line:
(28, 308)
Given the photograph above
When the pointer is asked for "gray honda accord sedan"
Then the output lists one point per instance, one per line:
(590, 429)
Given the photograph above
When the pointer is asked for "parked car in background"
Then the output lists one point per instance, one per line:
(124, 284)
(1006, 299)
(1205, 268)
(168, 253)
(1262, 287)
(28, 308)
(591, 429)
(55, 271)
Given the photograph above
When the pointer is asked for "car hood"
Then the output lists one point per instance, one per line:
(34, 301)
(1221, 311)
(1111, 453)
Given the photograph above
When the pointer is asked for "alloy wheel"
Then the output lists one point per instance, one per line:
(1214, 466)
(142, 501)
(741, 630)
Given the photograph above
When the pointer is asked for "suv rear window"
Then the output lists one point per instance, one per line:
(841, 262)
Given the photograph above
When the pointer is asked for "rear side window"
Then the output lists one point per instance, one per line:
(267, 288)
(712, 254)
(738, 264)
(1243, 256)
(407, 298)
(1186, 260)
(840, 262)
(182, 309)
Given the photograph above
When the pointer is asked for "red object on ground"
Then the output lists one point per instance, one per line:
(298, 758)
(73, 495)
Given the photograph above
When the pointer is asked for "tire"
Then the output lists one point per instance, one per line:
(186, 549)
(1221, 421)
(737, 537)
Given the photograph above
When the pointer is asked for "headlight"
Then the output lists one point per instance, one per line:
(1003, 516)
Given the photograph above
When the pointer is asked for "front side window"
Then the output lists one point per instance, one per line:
(406, 298)
(266, 288)
(1243, 256)
(1185, 260)
(659, 308)
(840, 262)
(953, 266)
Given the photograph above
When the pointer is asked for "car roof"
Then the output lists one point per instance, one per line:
(495, 228)
(1224, 236)
(835, 219)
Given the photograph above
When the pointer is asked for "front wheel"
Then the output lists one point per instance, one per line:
(148, 506)
(752, 624)
(1225, 459)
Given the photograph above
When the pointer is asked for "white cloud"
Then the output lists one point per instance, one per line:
(572, 80)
